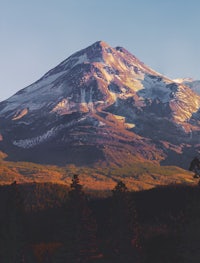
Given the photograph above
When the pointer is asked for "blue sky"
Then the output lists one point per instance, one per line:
(37, 35)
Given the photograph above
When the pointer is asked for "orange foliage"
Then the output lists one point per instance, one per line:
(43, 249)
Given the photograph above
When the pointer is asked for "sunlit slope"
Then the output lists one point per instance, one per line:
(137, 176)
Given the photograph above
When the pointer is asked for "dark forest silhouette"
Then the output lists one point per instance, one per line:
(51, 223)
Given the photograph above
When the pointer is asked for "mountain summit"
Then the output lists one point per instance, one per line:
(101, 106)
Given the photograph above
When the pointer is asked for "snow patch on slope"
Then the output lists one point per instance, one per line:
(45, 81)
(155, 88)
(183, 80)
(81, 59)
(34, 97)
(191, 83)
(32, 142)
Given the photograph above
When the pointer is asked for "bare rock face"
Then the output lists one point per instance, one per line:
(101, 106)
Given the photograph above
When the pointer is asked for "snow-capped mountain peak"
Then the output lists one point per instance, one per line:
(97, 65)
(107, 89)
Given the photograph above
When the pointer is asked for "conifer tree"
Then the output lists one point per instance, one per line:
(80, 227)
(120, 220)
(195, 167)
(122, 223)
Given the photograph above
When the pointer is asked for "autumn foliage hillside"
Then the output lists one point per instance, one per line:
(137, 175)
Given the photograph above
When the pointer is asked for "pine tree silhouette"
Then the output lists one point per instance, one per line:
(195, 167)
(123, 223)
(80, 227)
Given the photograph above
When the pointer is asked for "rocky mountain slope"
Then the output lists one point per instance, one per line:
(193, 84)
(101, 107)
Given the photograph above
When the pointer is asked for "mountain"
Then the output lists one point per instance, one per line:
(101, 107)
(193, 84)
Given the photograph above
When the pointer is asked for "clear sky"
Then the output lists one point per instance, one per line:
(37, 35)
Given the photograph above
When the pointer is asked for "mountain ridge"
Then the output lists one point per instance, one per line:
(101, 107)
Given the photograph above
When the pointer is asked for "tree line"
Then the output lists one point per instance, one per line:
(124, 227)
